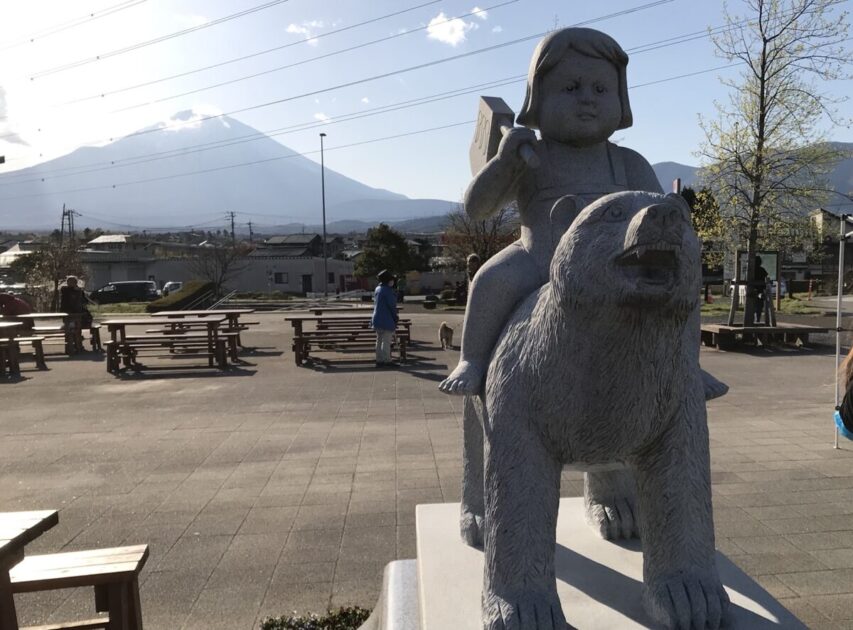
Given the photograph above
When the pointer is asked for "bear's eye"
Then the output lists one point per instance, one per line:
(615, 213)
(571, 87)
(600, 89)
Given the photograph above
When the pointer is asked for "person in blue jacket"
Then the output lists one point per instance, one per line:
(384, 320)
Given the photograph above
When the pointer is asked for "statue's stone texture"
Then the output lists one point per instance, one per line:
(600, 367)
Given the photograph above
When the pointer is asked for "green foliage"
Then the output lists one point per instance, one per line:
(350, 618)
(709, 224)
(117, 307)
(176, 300)
(385, 248)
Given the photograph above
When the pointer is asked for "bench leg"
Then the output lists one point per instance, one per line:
(134, 611)
(232, 346)
(3, 354)
(95, 339)
(38, 352)
(14, 359)
(8, 616)
(113, 599)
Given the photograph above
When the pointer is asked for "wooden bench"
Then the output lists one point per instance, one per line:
(178, 344)
(38, 349)
(114, 574)
(343, 339)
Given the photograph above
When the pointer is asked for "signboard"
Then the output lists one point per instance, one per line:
(769, 260)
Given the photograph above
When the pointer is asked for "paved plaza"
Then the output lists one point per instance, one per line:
(276, 488)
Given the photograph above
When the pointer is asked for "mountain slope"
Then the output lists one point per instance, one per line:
(112, 185)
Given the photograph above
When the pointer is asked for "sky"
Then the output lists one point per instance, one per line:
(80, 73)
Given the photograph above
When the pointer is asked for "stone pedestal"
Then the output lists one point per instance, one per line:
(599, 582)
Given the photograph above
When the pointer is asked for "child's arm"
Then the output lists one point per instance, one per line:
(640, 174)
(494, 186)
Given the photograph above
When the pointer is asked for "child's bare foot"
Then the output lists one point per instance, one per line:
(467, 378)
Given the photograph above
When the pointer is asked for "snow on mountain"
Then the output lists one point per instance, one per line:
(181, 173)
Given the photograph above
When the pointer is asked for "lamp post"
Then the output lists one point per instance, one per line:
(323, 194)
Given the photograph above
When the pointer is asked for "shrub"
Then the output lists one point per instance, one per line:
(350, 618)
(177, 300)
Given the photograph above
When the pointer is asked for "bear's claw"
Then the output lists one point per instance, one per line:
(471, 528)
(687, 601)
(614, 520)
(528, 611)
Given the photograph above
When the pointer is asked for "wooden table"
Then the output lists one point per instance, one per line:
(231, 314)
(9, 330)
(16, 530)
(118, 331)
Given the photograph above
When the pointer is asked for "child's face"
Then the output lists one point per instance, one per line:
(580, 102)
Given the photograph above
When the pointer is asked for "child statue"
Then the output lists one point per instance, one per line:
(577, 97)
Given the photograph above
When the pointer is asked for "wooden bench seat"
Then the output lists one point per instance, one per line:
(35, 343)
(114, 574)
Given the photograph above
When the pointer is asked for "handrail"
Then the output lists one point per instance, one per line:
(200, 300)
(224, 299)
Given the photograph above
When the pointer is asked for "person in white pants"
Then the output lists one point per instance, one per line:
(384, 320)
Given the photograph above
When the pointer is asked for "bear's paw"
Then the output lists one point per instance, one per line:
(687, 601)
(524, 611)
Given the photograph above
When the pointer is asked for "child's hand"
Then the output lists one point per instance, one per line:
(509, 148)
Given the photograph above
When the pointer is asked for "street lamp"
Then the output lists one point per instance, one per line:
(323, 193)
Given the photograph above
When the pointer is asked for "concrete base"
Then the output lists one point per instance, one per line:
(599, 582)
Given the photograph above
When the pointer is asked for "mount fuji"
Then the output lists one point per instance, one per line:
(182, 173)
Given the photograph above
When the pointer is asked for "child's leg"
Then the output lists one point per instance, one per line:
(499, 285)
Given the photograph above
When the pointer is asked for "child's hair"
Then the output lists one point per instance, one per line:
(551, 51)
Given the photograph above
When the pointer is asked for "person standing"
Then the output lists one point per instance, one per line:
(384, 320)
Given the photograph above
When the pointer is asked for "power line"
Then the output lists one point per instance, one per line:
(384, 75)
(156, 40)
(241, 164)
(64, 26)
(220, 144)
(317, 58)
(249, 56)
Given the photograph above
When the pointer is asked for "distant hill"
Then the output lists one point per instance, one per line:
(427, 225)
(192, 186)
(840, 179)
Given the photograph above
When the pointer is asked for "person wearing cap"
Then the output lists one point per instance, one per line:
(384, 320)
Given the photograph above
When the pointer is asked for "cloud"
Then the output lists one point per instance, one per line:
(498, 29)
(322, 117)
(447, 30)
(480, 13)
(307, 30)
(6, 129)
(365, 100)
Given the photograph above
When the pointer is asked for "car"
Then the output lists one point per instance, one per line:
(172, 286)
(128, 291)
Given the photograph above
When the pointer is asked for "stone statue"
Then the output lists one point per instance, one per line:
(577, 97)
(600, 367)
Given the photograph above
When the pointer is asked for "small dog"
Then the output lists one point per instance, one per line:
(445, 336)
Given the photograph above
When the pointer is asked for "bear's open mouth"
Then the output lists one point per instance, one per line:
(650, 263)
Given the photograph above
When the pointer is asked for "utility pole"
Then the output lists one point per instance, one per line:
(67, 221)
(251, 234)
(232, 214)
(323, 193)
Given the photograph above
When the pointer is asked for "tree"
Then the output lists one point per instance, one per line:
(484, 237)
(218, 265)
(385, 248)
(709, 224)
(43, 269)
(766, 154)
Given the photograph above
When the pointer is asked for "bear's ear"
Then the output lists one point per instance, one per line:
(678, 199)
(563, 213)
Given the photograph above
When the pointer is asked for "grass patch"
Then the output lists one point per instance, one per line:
(118, 307)
(349, 618)
(788, 306)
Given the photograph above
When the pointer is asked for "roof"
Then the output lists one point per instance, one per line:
(110, 238)
(287, 252)
(15, 252)
(292, 239)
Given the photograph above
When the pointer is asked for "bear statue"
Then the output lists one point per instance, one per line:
(599, 370)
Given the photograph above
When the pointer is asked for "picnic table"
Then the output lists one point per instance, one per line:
(127, 347)
(232, 315)
(72, 334)
(350, 332)
(16, 530)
